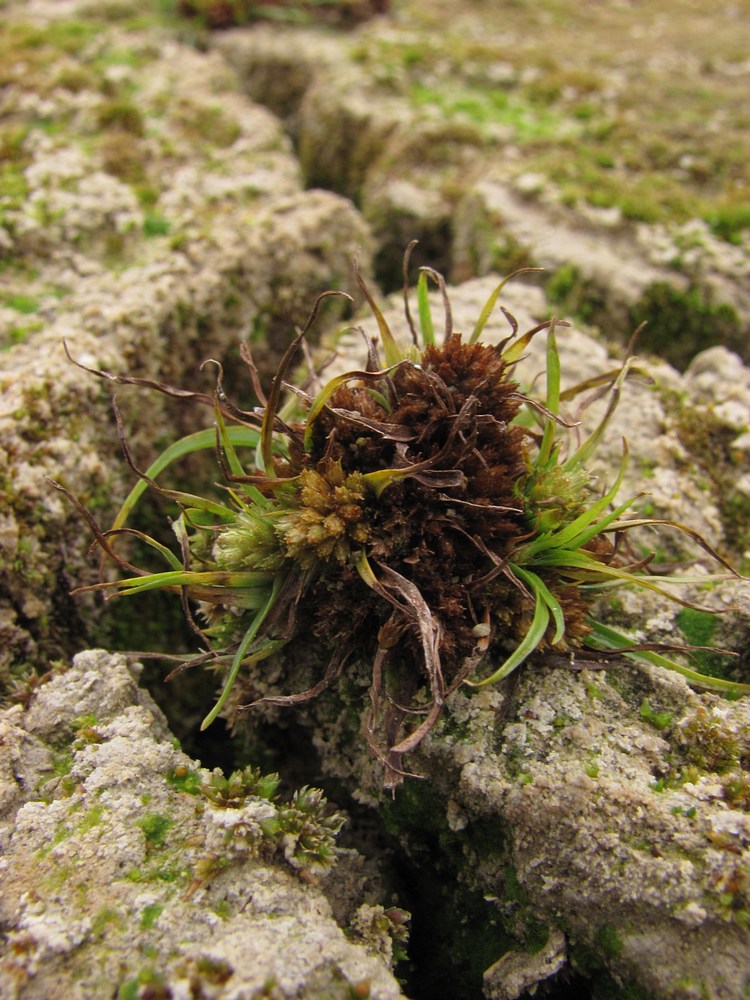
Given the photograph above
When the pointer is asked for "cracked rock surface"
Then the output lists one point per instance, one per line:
(156, 219)
(587, 823)
(102, 836)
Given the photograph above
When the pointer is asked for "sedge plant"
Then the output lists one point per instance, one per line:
(421, 513)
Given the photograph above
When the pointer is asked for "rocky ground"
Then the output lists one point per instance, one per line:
(164, 193)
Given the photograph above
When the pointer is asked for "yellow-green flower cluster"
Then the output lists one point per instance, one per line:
(327, 518)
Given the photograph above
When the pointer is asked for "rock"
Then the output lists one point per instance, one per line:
(430, 145)
(168, 230)
(364, 140)
(95, 686)
(104, 837)
(277, 67)
(411, 192)
(553, 238)
(602, 822)
(516, 972)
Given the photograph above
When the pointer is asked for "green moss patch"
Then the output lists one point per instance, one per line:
(679, 323)
(150, 914)
(155, 828)
(660, 720)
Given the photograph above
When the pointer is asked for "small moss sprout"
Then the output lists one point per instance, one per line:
(422, 512)
(250, 818)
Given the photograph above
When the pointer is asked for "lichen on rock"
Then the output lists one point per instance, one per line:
(116, 873)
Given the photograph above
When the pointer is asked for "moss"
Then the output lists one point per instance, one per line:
(156, 225)
(86, 721)
(680, 323)
(19, 334)
(92, 818)
(75, 78)
(25, 304)
(152, 871)
(709, 443)
(12, 139)
(62, 764)
(175, 873)
(637, 843)
(594, 689)
(736, 791)
(214, 970)
(735, 513)
(730, 221)
(209, 125)
(536, 935)
(155, 828)
(106, 917)
(13, 185)
(40, 44)
(608, 941)
(660, 720)
(415, 806)
(708, 743)
(514, 892)
(578, 296)
(59, 876)
(529, 122)
(456, 729)
(122, 155)
(150, 914)
(222, 909)
(184, 779)
(699, 628)
(135, 56)
(62, 832)
(121, 116)
(147, 983)
(515, 760)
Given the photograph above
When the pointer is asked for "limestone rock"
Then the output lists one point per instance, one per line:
(104, 837)
(152, 235)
